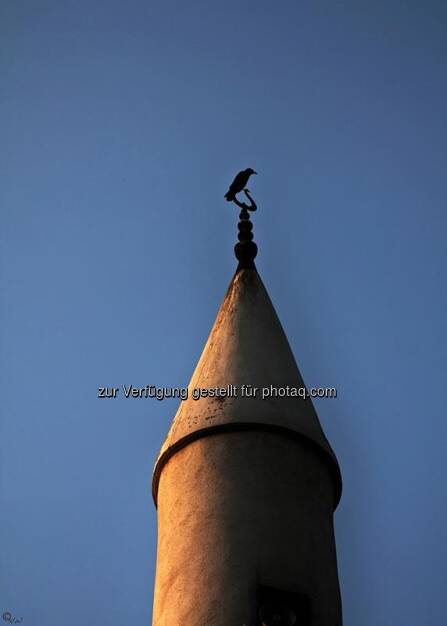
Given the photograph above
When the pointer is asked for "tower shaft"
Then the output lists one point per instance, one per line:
(240, 512)
(245, 486)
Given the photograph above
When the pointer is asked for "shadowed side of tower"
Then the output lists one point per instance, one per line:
(246, 487)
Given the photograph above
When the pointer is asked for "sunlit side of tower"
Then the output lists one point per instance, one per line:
(246, 488)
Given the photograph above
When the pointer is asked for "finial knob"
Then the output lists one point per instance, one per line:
(246, 249)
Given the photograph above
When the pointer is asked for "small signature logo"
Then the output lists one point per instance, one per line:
(9, 617)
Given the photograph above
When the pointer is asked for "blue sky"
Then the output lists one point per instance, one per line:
(122, 124)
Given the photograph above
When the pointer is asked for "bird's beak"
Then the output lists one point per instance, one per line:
(254, 172)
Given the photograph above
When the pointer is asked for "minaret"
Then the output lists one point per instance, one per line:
(246, 487)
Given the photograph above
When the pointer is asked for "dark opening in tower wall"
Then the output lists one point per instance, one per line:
(282, 608)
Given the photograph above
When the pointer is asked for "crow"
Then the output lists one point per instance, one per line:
(239, 183)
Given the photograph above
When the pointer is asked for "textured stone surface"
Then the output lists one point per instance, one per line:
(245, 487)
(237, 510)
(247, 345)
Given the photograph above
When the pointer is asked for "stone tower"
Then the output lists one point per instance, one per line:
(246, 487)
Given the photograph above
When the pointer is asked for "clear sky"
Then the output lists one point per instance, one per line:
(122, 124)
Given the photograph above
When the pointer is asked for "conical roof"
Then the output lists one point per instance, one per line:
(247, 346)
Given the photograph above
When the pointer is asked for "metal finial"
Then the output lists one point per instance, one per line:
(246, 249)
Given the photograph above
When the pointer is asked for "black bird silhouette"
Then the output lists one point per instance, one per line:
(239, 183)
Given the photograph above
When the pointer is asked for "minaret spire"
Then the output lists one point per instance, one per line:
(246, 482)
